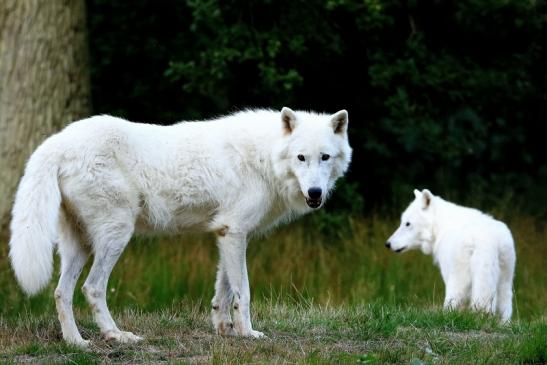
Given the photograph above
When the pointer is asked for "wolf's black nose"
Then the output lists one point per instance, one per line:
(388, 244)
(314, 193)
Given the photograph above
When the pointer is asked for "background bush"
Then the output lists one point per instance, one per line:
(450, 95)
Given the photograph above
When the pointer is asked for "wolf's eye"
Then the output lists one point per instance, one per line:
(407, 224)
(301, 158)
(325, 157)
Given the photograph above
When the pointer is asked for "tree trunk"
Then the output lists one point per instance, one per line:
(44, 80)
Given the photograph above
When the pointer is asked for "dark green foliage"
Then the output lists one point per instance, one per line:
(451, 95)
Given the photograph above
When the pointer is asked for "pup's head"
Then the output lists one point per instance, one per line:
(416, 229)
(313, 154)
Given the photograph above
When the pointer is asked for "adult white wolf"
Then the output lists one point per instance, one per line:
(89, 187)
(475, 252)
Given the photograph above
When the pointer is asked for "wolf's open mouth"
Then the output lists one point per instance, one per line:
(313, 203)
(400, 250)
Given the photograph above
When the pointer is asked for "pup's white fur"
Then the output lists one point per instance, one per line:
(475, 252)
(89, 187)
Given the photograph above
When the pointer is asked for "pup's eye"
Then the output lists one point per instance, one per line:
(325, 157)
(407, 224)
(301, 158)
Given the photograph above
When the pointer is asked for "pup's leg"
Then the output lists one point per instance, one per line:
(73, 258)
(458, 285)
(505, 297)
(232, 248)
(220, 312)
(109, 241)
(485, 273)
(505, 288)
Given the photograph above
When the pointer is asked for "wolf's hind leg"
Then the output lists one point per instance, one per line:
(73, 258)
(109, 242)
(505, 298)
(505, 289)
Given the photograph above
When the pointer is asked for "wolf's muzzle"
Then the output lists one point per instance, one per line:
(314, 197)
(313, 203)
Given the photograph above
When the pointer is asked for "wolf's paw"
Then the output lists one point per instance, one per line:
(225, 329)
(122, 336)
(249, 333)
(80, 342)
(256, 334)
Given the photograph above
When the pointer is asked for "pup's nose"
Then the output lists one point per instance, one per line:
(388, 244)
(314, 193)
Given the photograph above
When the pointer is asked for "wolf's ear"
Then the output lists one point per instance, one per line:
(288, 117)
(339, 122)
(417, 194)
(426, 196)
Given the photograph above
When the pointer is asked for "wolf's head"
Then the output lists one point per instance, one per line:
(312, 154)
(416, 229)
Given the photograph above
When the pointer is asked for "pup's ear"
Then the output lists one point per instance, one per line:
(288, 118)
(427, 197)
(417, 194)
(339, 122)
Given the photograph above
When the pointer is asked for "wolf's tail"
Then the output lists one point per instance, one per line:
(34, 223)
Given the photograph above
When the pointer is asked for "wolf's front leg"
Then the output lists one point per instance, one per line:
(243, 323)
(232, 248)
(220, 312)
(458, 286)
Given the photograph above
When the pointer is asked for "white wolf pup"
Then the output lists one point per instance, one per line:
(475, 252)
(91, 186)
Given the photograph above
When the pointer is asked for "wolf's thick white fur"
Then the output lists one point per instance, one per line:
(91, 186)
(475, 252)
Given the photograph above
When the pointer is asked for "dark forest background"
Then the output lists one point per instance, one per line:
(449, 95)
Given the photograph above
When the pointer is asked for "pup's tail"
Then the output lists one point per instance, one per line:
(35, 218)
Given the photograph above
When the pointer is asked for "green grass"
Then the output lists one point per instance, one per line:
(308, 334)
(322, 299)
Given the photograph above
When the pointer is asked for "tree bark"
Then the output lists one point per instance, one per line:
(44, 80)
